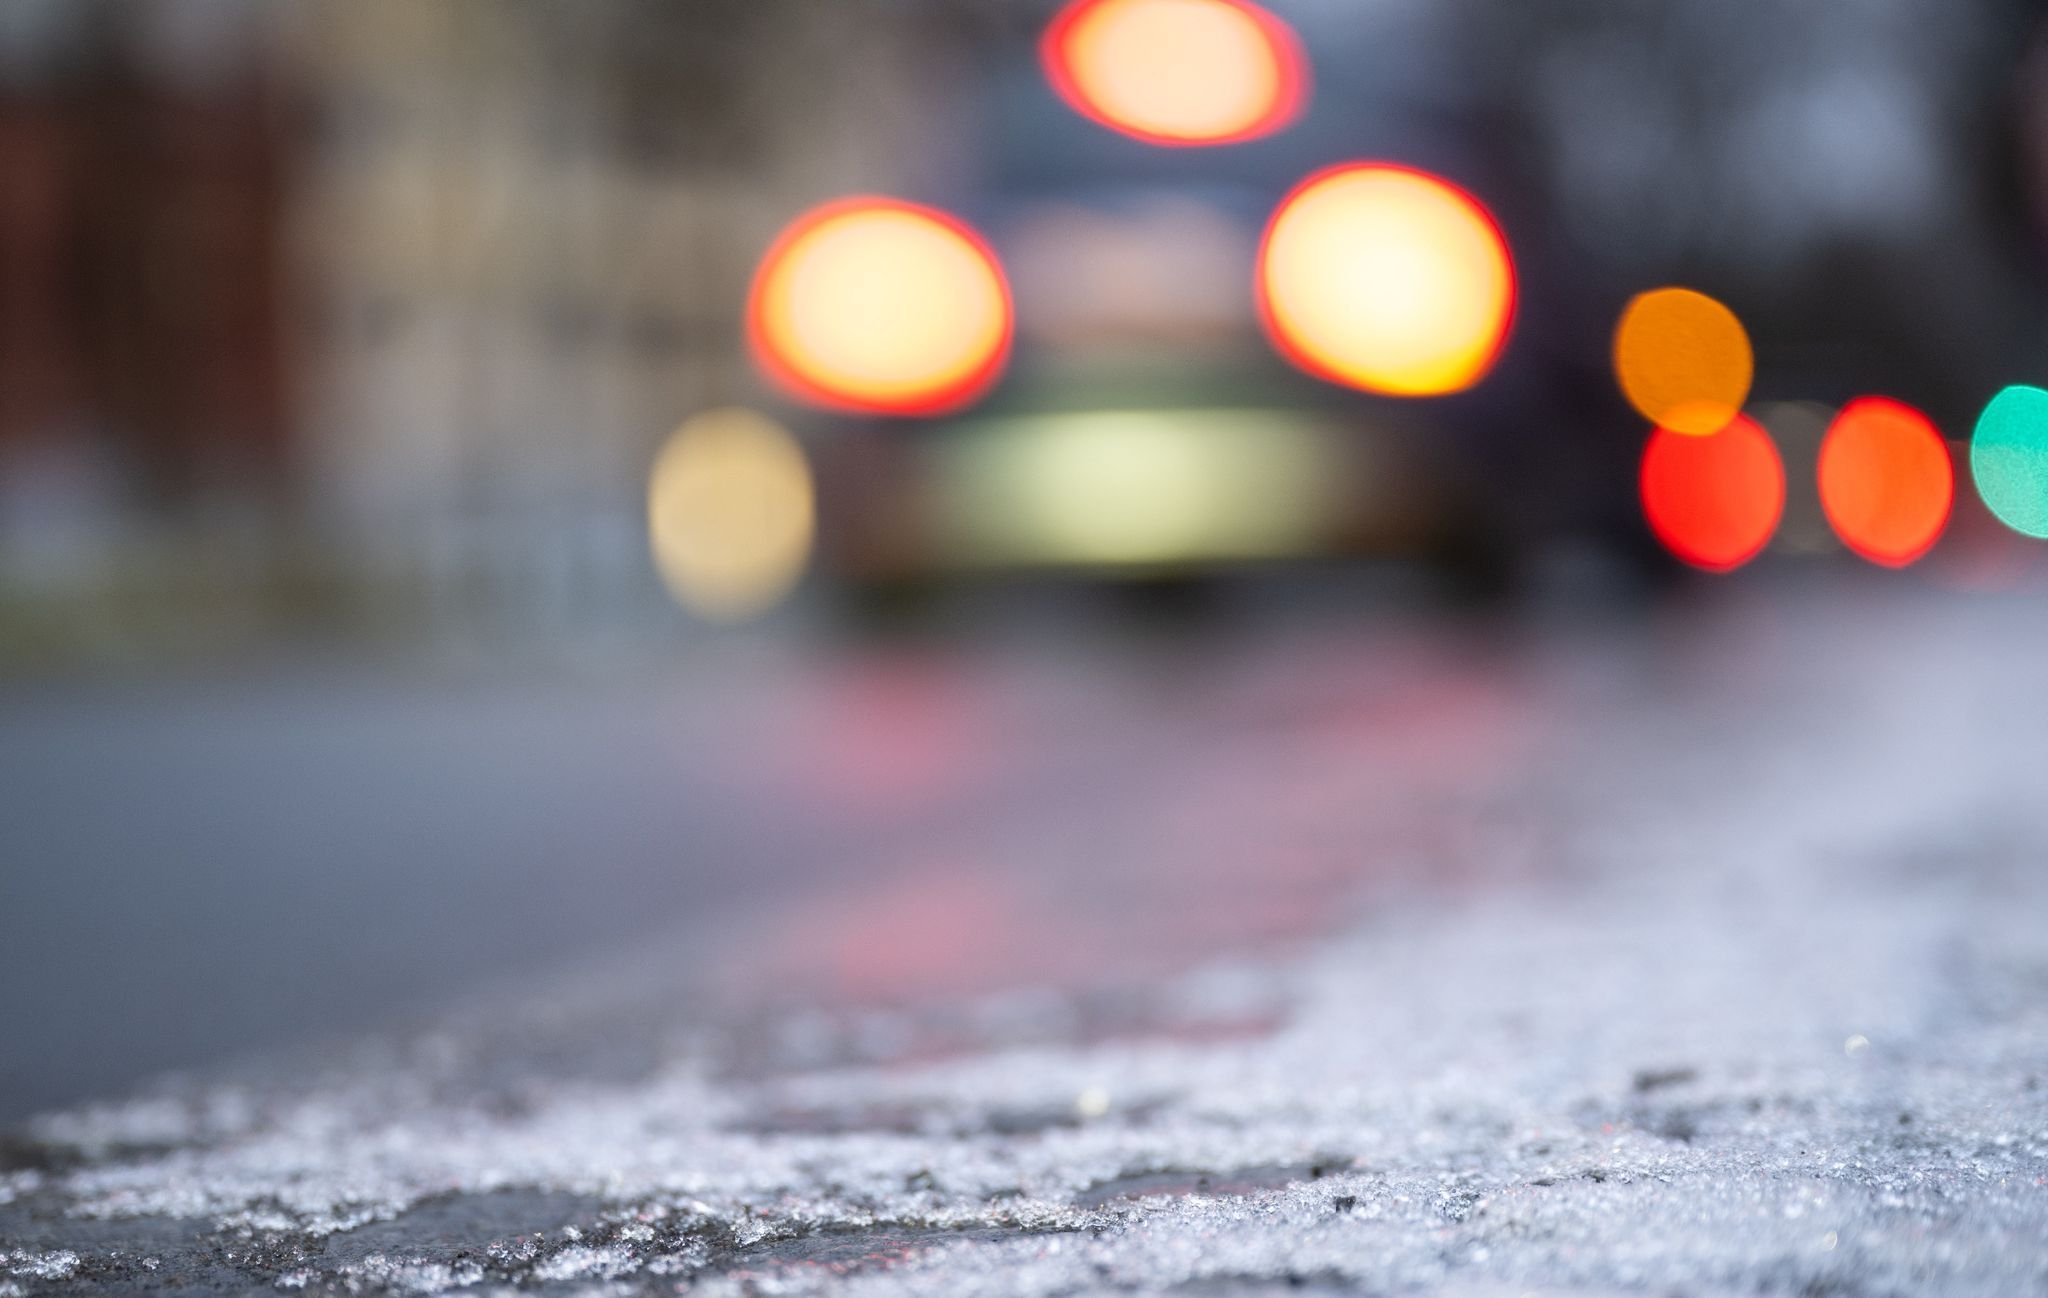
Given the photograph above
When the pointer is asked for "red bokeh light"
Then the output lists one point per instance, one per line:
(1714, 501)
(1886, 481)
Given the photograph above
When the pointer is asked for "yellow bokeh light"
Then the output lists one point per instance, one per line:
(1387, 279)
(871, 304)
(730, 513)
(1683, 360)
(1177, 71)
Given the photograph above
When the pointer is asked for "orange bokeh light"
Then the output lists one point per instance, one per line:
(1683, 360)
(1177, 72)
(1886, 481)
(1386, 278)
(880, 306)
(1713, 499)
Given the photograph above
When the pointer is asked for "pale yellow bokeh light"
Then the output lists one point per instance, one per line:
(1386, 279)
(877, 305)
(1683, 360)
(1134, 488)
(1176, 71)
(1126, 490)
(730, 513)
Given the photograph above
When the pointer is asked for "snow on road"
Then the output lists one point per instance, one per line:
(1741, 987)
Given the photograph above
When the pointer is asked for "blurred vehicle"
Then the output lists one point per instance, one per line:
(1145, 428)
(377, 315)
(1140, 380)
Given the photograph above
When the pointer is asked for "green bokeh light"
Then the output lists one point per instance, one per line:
(2009, 459)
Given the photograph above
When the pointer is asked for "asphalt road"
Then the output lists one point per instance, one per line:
(1701, 951)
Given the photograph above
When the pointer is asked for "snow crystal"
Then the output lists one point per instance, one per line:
(1767, 1016)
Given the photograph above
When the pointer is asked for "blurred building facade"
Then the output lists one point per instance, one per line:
(144, 358)
(402, 295)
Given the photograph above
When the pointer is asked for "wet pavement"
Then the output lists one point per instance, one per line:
(1700, 952)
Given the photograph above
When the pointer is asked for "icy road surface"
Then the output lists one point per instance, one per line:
(1704, 956)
